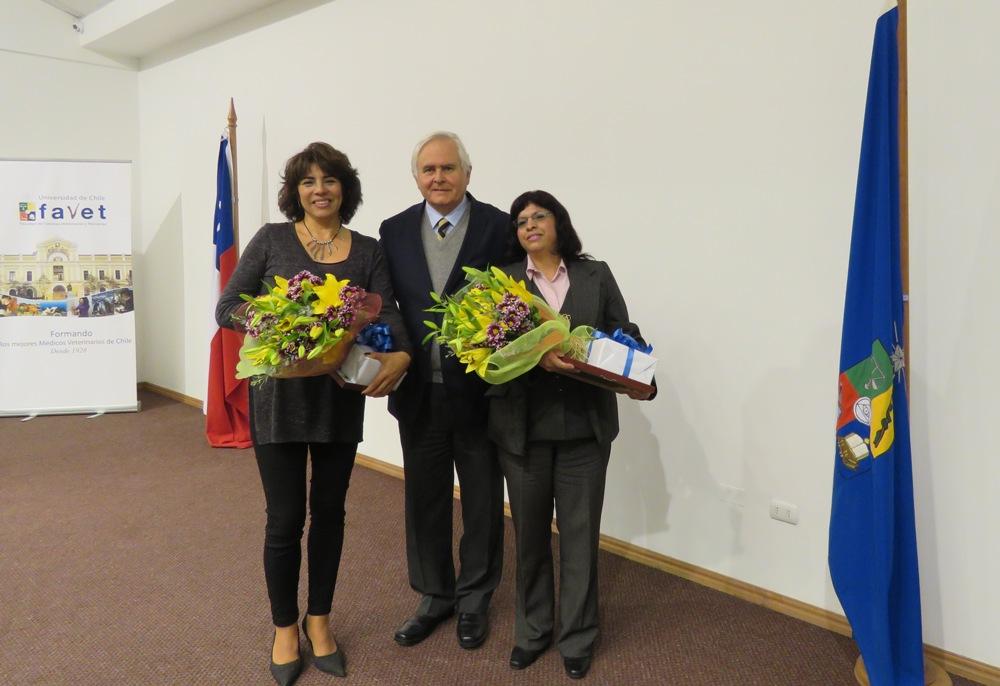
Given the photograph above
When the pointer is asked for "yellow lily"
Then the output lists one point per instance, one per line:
(280, 286)
(328, 294)
(477, 359)
(516, 287)
(484, 320)
(258, 355)
(265, 300)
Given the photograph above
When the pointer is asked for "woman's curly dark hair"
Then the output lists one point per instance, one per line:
(332, 162)
(568, 243)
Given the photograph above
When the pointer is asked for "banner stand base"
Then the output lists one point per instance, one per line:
(91, 411)
(934, 674)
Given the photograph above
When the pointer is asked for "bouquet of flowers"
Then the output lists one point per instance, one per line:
(303, 326)
(499, 329)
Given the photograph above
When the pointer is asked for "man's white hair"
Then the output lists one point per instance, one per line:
(463, 155)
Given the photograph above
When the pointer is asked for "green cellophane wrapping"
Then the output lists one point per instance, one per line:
(523, 354)
(459, 332)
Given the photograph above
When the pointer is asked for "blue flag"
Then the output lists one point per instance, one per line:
(873, 547)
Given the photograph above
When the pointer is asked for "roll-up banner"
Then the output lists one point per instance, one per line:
(67, 319)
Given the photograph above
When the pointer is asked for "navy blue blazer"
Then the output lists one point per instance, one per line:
(484, 244)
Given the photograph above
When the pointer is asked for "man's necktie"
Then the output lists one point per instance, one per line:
(442, 227)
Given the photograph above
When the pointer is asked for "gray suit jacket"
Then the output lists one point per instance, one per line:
(593, 299)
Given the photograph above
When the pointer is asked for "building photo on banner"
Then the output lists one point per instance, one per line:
(67, 322)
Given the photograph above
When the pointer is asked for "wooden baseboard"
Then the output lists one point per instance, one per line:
(963, 666)
(719, 582)
(173, 395)
(952, 663)
(383, 467)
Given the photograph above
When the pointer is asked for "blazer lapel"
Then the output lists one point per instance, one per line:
(581, 302)
(567, 305)
(414, 245)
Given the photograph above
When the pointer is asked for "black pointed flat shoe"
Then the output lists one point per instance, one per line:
(335, 663)
(285, 674)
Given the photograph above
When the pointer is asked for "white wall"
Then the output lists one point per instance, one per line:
(954, 319)
(708, 152)
(57, 99)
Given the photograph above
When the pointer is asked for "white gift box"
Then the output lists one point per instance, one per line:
(614, 356)
(360, 370)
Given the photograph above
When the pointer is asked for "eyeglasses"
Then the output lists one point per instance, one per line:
(536, 217)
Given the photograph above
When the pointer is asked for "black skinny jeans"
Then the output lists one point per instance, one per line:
(283, 474)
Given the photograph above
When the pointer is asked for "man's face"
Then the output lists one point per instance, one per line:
(440, 176)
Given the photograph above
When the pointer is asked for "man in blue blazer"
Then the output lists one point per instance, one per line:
(441, 409)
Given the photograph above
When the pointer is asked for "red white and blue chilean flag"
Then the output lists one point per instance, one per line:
(227, 421)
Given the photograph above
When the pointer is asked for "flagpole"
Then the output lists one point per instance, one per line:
(904, 185)
(934, 674)
(231, 119)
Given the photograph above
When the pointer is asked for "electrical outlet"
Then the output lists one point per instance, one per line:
(784, 512)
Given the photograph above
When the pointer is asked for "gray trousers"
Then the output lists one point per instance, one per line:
(572, 475)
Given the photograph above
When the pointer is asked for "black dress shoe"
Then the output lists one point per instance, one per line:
(417, 628)
(524, 657)
(335, 663)
(472, 629)
(577, 667)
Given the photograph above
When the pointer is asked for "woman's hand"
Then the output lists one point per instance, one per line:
(553, 362)
(238, 316)
(394, 365)
(639, 395)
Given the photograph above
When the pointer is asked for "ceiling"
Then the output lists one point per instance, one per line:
(136, 29)
(78, 8)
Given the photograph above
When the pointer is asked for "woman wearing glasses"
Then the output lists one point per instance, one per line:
(554, 435)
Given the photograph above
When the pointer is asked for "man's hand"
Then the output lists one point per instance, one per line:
(393, 367)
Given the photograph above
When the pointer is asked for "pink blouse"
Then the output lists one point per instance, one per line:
(553, 291)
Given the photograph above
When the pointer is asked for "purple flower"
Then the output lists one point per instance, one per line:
(352, 295)
(514, 314)
(495, 337)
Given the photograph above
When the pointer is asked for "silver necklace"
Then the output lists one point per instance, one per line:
(317, 248)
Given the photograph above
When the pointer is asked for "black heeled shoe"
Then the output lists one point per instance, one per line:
(335, 663)
(286, 674)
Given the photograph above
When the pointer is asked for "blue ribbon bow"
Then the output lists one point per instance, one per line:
(377, 336)
(620, 336)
